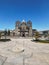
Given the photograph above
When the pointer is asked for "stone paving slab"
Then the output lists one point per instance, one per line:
(2, 60)
(8, 63)
(34, 53)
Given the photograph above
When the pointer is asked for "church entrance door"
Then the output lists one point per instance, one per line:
(23, 34)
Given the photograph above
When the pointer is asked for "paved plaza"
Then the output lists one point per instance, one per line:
(21, 51)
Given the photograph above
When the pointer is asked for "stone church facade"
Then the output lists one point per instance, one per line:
(23, 29)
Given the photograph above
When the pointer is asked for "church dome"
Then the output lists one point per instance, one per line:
(23, 21)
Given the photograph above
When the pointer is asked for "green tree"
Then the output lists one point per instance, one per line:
(8, 32)
(48, 36)
(36, 35)
(5, 33)
(0, 35)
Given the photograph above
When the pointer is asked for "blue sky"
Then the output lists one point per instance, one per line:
(35, 10)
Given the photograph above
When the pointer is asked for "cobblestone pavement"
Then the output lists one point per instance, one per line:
(24, 52)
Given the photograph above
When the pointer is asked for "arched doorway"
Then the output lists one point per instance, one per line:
(23, 34)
